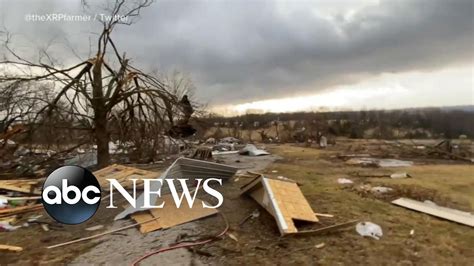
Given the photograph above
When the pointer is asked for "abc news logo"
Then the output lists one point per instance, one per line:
(72, 194)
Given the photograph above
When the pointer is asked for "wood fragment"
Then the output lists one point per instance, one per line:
(18, 210)
(11, 248)
(324, 215)
(21, 185)
(320, 245)
(96, 227)
(21, 198)
(45, 227)
(438, 211)
(327, 228)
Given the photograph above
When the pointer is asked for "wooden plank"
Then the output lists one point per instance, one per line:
(18, 210)
(25, 186)
(438, 211)
(11, 248)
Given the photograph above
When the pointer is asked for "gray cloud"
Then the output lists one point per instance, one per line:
(247, 50)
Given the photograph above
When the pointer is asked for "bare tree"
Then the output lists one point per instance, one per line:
(97, 90)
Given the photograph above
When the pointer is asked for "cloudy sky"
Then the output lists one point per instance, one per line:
(283, 55)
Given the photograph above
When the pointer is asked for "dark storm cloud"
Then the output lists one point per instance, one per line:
(247, 50)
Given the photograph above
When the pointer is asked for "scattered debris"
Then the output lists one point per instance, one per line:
(380, 190)
(34, 218)
(454, 215)
(373, 162)
(400, 175)
(45, 227)
(211, 141)
(10, 248)
(30, 186)
(215, 153)
(83, 159)
(7, 227)
(283, 199)
(394, 175)
(202, 153)
(253, 215)
(328, 229)
(18, 210)
(369, 229)
(251, 150)
(3, 203)
(230, 140)
(223, 147)
(232, 236)
(365, 162)
(320, 245)
(394, 163)
(324, 215)
(347, 156)
(95, 227)
(344, 181)
(323, 142)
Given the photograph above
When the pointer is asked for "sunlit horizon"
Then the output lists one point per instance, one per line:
(387, 91)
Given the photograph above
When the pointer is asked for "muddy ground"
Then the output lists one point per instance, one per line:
(435, 241)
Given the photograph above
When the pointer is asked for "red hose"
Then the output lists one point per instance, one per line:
(183, 244)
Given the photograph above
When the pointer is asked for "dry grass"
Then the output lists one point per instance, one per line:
(435, 241)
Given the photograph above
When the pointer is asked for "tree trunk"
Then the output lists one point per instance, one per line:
(101, 132)
(102, 139)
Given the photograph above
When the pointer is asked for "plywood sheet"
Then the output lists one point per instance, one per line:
(438, 211)
(292, 203)
(283, 200)
(170, 216)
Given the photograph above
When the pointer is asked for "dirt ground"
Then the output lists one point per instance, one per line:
(434, 242)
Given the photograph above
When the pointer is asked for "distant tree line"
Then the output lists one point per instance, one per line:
(403, 123)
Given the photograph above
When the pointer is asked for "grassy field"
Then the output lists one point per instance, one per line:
(258, 242)
(435, 241)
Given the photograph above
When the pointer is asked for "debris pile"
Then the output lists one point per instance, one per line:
(18, 200)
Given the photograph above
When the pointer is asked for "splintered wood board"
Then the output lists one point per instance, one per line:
(123, 175)
(170, 216)
(438, 211)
